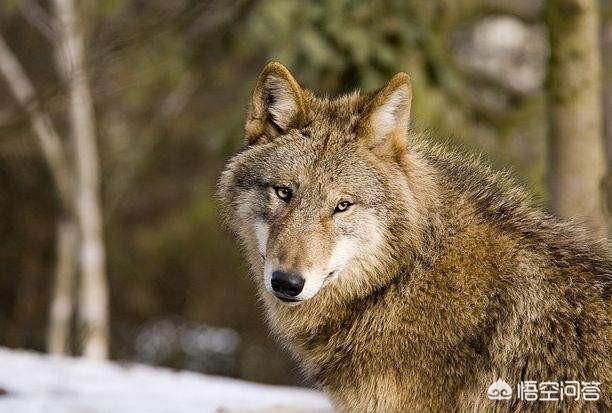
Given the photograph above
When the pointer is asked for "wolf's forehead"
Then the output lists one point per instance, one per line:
(337, 163)
(338, 116)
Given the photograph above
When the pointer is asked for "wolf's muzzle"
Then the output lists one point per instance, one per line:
(287, 285)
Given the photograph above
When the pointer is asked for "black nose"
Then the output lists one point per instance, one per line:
(288, 284)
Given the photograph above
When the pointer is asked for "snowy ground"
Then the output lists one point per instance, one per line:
(33, 382)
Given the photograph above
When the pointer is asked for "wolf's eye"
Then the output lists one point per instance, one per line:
(283, 193)
(342, 206)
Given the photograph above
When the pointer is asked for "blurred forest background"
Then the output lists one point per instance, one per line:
(116, 117)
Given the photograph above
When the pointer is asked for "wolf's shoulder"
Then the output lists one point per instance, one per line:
(497, 198)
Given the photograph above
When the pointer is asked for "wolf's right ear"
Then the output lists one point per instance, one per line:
(278, 104)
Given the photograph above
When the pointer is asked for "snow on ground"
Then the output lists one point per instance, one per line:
(36, 383)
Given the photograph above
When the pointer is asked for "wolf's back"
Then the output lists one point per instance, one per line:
(499, 200)
(546, 282)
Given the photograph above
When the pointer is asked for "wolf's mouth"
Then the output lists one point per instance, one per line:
(329, 276)
(287, 299)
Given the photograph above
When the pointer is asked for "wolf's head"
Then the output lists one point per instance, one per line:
(320, 195)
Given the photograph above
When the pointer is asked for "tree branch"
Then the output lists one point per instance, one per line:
(22, 89)
(39, 18)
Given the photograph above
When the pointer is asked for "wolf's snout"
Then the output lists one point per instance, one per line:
(287, 284)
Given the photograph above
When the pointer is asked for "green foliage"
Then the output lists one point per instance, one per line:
(109, 7)
(338, 44)
(9, 6)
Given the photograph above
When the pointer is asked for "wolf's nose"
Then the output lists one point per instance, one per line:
(287, 283)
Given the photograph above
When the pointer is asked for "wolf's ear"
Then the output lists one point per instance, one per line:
(278, 103)
(384, 124)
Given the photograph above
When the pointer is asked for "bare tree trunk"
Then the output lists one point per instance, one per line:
(61, 302)
(576, 153)
(93, 290)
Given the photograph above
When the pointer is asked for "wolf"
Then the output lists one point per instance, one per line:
(404, 276)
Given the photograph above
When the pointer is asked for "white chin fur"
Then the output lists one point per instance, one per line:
(343, 252)
(314, 282)
(262, 231)
(268, 277)
(341, 255)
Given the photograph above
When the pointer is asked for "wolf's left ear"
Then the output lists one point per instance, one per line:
(384, 125)
(278, 104)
